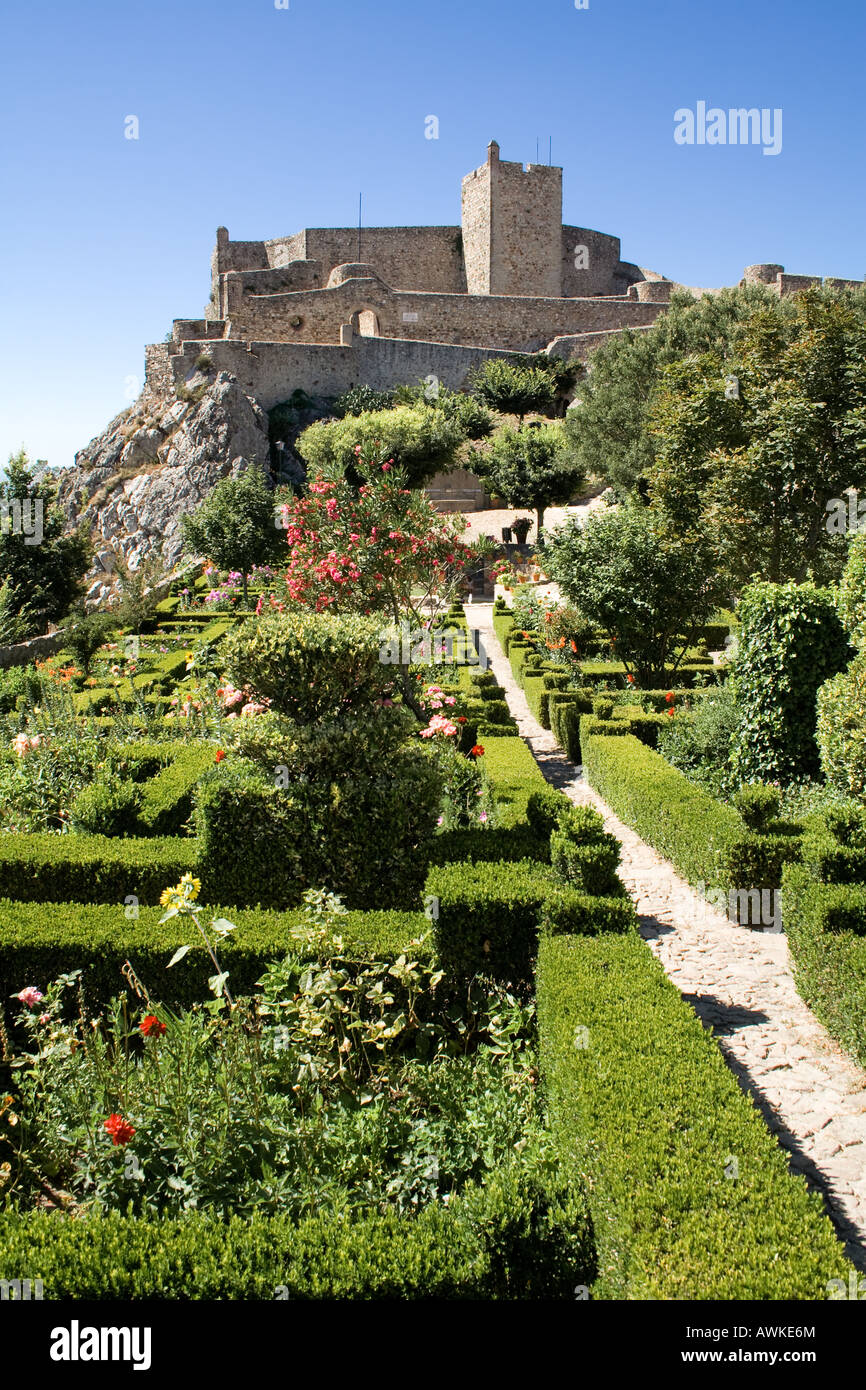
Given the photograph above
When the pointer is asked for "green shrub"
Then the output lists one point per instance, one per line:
(419, 439)
(343, 805)
(40, 941)
(514, 774)
(489, 917)
(310, 665)
(841, 729)
(517, 1236)
(831, 862)
(107, 808)
(852, 590)
(584, 855)
(641, 1097)
(758, 805)
(791, 641)
(703, 838)
(544, 809)
(167, 798)
(699, 743)
(826, 929)
(92, 868)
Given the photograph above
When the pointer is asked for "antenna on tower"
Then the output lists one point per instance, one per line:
(360, 205)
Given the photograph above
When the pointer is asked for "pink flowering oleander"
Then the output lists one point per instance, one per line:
(439, 725)
(30, 996)
(251, 708)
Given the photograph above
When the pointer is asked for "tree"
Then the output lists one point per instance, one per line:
(530, 467)
(791, 641)
(646, 589)
(755, 449)
(380, 548)
(607, 424)
(418, 439)
(42, 566)
(87, 633)
(514, 388)
(235, 525)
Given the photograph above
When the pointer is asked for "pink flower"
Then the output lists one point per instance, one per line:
(30, 996)
(482, 815)
(252, 709)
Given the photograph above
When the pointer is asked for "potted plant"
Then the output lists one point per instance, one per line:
(521, 528)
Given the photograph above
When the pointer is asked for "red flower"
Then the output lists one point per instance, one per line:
(476, 750)
(630, 680)
(670, 697)
(220, 754)
(121, 1130)
(574, 646)
(461, 719)
(151, 1026)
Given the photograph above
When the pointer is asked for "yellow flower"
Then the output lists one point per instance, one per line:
(183, 895)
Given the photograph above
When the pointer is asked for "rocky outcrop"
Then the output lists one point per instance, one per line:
(155, 462)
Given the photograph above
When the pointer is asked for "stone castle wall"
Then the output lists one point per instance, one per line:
(518, 323)
(272, 371)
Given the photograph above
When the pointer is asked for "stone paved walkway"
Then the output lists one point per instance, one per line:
(740, 984)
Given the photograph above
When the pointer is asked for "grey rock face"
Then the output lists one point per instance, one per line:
(154, 463)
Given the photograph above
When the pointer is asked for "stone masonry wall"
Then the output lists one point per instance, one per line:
(526, 229)
(475, 196)
(272, 371)
(519, 323)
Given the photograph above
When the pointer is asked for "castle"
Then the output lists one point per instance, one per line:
(330, 308)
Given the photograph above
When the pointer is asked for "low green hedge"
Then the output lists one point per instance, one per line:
(167, 797)
(515, 775)
(704, 839)
(40, 941)
(825, 924)
(506, 1240)
(91, 868)
(641, 1099)
(831, 862)
(498, 843)
(489, 916)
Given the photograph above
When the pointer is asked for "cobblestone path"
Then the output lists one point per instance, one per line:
(740, 983)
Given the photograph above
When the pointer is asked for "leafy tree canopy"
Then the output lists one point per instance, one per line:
(41, 566)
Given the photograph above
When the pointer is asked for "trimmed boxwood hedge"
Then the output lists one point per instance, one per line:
(515, 775)
(91, 868)
(825, 924)
(643, 1101)
(507, 1240)
(40, 941)
(704, 839)
(490, 915)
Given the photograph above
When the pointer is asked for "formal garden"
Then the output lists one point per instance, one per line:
(314, 987)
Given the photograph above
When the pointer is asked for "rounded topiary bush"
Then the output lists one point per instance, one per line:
(310, 666)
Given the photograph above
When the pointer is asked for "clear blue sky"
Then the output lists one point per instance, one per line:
(267, 120)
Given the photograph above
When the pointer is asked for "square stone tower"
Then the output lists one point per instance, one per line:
(512, 228)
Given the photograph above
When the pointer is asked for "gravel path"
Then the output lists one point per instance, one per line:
(740, 983)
